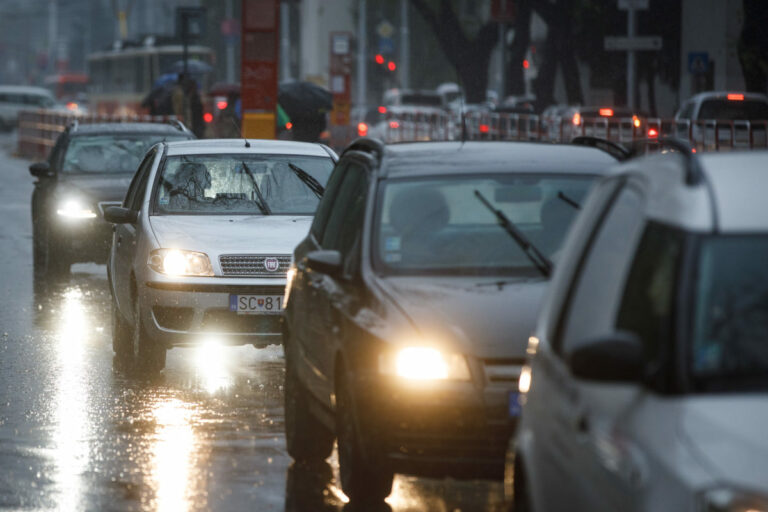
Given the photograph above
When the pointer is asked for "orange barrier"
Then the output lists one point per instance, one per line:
(39, 129)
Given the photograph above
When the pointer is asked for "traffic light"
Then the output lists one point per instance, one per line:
(379, 59)
(391, 66)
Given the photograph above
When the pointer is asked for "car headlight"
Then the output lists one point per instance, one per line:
(725, 499)
(289, 277)
(424, 363)
(75, 209)
(175, 262)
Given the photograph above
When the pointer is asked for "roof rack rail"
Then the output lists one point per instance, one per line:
(694, 175)
(366, 145)
(178, 124)
(617, 151)
(72, 127)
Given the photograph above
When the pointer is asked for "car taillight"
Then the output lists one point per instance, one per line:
(484, 128)
(735, 97)
(221, 105)
(362, 129)
(394, 124)
(382, 109)
(636, 121)
(606, 112)
(653, 133)
(208, 117)
(576, 119)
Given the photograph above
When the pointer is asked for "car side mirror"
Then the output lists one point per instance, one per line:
(120, 215)
(41, 170)
(325, 262)
(619, 357)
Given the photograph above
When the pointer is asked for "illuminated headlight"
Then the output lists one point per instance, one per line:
(289, 277)
(74, 209)
(724, 499)
(174, 262)
(424, 363)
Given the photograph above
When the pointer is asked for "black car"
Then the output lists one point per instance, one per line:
(89, 169)
(412, 300)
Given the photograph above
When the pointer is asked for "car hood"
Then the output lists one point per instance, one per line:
(97, 186)
(471, 315)
(727, 433)
(225, 234)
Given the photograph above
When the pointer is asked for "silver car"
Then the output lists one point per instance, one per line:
(647, 389)
(203, 241)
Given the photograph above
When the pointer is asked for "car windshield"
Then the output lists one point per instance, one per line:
(110, 153)
(439, 225)
(749, 110)
(730, 311)
(243, 184)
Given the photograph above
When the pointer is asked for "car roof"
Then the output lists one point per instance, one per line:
(228, 146)
(26, 89)
(111, 128)
(714, 95)
(737, 181)
(454, 158)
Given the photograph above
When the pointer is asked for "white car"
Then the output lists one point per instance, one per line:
(15, 98)
(203, 241)
(647, 386)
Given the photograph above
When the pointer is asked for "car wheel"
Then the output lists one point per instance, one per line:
(307, 438)
(362, 480)
(48, 263)
(148, 356)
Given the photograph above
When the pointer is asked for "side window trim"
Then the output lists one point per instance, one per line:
(565, 307)
(360, 162)
(316, 230)
(134, 187)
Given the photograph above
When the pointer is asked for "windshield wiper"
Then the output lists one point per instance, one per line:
(261, 203)
(308, 180)
(568, 200)
(540, 261)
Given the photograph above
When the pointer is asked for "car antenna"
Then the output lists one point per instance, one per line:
(237, 128)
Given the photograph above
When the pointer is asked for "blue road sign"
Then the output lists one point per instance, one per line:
(386, 45)
(698, 62)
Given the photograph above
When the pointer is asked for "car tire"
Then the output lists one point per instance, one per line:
(148, 356)
(363, 480)
(307, 438)
(47, 262)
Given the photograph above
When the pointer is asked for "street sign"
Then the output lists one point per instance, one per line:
(636, 5)
(698, 63)
(632, 44)
(385, 29)
(386, 46)
(190, 22)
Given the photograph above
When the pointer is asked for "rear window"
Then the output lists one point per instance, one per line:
(747, 110)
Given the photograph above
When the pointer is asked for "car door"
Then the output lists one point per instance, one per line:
(125, 237)
(585, 415)
(344, 221)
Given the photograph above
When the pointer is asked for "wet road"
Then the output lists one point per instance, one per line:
(206, 435)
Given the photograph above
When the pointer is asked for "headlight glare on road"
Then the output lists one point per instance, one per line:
(175, 262)
(424, 363)
(725, 499)
(75, 209)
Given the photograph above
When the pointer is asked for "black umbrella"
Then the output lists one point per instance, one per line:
(303, 99)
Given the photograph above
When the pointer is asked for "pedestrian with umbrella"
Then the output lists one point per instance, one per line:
(307, 105)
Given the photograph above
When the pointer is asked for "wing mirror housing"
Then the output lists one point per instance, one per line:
(325, 262)
(618, 358)
(41, 170)
(120, 215)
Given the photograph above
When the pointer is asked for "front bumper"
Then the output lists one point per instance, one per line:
(436, 430)
(188, 311)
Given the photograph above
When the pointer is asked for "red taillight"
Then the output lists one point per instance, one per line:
(391, 66)
(606, 112)
(653, 133)
(526, 64)
(735, 97)
(362, 129)
(288, 125)
(576, 119)
(72, 105)
(394, 124)
(484, 128)
(693, 150)
(208, 117)
(221, 105)
(382, 109)
(636, 121)
(379, 59)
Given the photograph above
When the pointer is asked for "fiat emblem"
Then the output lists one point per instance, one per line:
(271, 264)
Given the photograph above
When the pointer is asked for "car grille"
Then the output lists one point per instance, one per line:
(258, 265)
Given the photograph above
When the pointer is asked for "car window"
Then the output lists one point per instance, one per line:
(649, 296)
(135, 194)
(326, 203)
(241, 184)
(592, 307)
(733, 110)
(118, 153)
(687, 111)
(349, 202)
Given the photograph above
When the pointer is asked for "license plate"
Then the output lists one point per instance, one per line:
(256, 304)
(515, 407)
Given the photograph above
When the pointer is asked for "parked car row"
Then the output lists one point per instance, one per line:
(588, 327)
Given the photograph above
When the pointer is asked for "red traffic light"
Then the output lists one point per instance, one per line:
(379, 58)
(208, 117)
(391, 66)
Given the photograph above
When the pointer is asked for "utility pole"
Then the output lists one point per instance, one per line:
(285, 40)
(405, 46)
(631, 33)
(362, 52)
(53, 35)
(230, 50)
